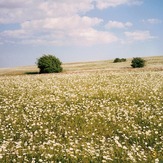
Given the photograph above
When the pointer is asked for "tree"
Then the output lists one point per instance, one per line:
(123, 59)
(137, 62)
(49, 64)
(119, 60)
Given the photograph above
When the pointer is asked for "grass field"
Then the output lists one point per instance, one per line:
(152, 63)
(92, 112)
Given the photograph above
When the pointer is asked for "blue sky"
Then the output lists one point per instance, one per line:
(79, 30)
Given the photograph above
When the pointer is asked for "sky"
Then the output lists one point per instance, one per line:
(79, 30)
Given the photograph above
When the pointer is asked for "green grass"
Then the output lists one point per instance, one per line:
(91, 112)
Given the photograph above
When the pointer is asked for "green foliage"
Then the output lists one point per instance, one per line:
(49, 64)
(137, 62)
(119, 60)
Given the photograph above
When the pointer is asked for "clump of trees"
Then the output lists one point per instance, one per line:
(119, 60)
(138, 62)
(49, 64)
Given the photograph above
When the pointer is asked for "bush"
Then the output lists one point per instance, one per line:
(119, 60)
(49, 64)
(137, 62)
(116, 60)
(123, 60)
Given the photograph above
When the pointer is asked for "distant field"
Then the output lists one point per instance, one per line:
(99, 112)
(152, 63)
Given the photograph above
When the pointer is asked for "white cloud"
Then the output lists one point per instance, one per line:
(18, 11)
(139, 35)
(103, 4)
(14, 33)
(152, 21)
(65, 7)
(117, 24)
(61, 31)
(87, 36)
(59, 22)
(53, 22)
(62, 23)
(12, 4)
(91, 36)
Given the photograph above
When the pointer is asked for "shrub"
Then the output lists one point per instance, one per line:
(116, 60)
(49, 64)
(119, 60)
(137, 62)
(123, 60)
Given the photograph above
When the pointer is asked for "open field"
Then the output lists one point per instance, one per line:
(92, 112)
(153, 63)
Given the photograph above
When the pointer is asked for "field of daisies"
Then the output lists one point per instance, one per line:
(103, 116)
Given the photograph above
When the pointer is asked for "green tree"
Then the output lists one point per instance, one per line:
(49, 64)
(137, 62)
(119, 60)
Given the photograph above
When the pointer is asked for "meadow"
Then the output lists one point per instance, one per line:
(91, 112)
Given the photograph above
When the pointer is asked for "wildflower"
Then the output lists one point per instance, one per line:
(1, 156)
(156, 160)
